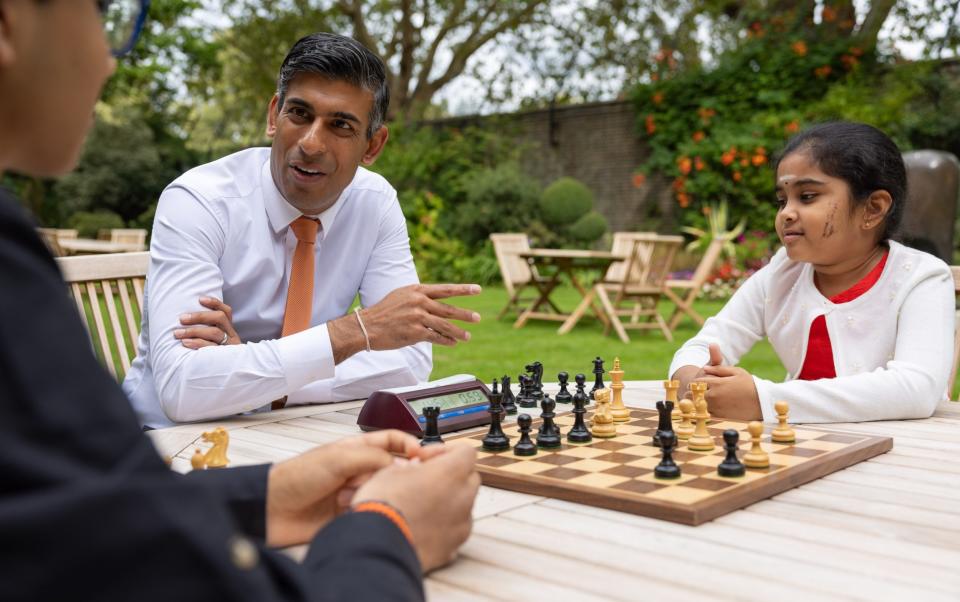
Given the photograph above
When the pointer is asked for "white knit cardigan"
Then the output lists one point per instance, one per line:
(892, 346)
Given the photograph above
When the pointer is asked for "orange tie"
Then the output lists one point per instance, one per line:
(299, 307)
(296, 315)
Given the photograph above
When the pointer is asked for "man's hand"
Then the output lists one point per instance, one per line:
(435, 497)
(305, 492)
(206, 328)
(406, 316)
(731, 393)
(688, 374)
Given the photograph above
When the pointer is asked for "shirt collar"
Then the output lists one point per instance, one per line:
(281, 213)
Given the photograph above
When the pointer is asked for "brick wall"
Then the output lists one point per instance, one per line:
(595, 143)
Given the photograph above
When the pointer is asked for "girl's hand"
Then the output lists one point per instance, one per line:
(731, 393)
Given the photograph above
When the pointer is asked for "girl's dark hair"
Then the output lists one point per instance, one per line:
(862, 156)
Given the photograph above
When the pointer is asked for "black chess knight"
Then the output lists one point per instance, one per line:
(509, 401)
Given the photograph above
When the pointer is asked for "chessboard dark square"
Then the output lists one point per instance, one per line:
(647, 432)
(697, 469)
(609, 445)
(638, 486)
(708, 484)
(840, 439)
(803, 452)
(564, 474)
(615, 457)
(556, 459)
(685, 456)
(627, 471)
(497, 461)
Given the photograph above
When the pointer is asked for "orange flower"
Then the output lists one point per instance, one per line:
(706, 210)
(760, 150)
(792, 128)
(744, 162)
(849, 61)
(829, 14)
(736, 176)
(758, 160)
(657, 98)
(855, 51)
(698, 164)
(639, 179)
(651, 124)
(799, 48)
(698, 136)
(683, 199)
(823, 72)
(655, 77)
(660, 55)
(679, 184)
(728, 157)
(685, 165)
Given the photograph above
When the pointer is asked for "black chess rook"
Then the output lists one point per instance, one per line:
(431, 432)
(665, 422)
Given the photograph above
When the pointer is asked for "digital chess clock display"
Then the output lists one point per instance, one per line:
(450, 401)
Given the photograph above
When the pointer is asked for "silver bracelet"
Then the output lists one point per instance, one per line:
(363, 328)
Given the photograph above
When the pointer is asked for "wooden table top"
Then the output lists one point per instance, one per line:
(885, 529)
(572, 254)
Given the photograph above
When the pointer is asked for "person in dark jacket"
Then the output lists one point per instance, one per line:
(88, 510)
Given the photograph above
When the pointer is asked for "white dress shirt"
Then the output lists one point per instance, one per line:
(222, 230)
(892, 346)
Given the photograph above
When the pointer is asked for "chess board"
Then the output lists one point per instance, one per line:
(618, 473)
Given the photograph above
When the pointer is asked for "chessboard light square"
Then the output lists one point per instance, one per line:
(681, 495)
(746, 478)
(650, 462)
(643, 451)
(527, 467)
(784, 460)
(472, 442)
(600, 480)
(708, 459)
(725, 424)
(633, 439)
(584, 452)
(591, 465)
(626, 429)
(806, 434)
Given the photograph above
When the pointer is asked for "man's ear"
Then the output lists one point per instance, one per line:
(7, 21)
(375, 145)
(272, 116)
(876, 209)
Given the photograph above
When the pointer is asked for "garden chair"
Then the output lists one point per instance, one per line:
(126, 236)
(956, 334)
(684, 301)
(516, 272)
(53, 236)
(108, 292)
(637, 284)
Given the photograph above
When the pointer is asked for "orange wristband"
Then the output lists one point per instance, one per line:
(390, 512)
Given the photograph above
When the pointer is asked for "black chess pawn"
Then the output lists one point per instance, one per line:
(665, 422)
(495, 440)
(549, 433)
(581, 381)
(731, 466)
(509, 401)
(563, 396)
(598, 371)
(525, 399)
(579, 433)
(524, 447)
(667, 468)
(431, 433)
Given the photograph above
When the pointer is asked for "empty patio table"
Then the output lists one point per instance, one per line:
(90, 245)
(554, 263)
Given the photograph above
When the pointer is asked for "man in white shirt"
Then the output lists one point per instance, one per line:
(229, 230)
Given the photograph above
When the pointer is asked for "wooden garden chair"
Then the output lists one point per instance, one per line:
(108, 292)
(674, 289)
(633, 288)
(516, 272)
(125, 236)
(53, 236)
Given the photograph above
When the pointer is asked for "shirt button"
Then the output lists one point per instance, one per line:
(243, 553)
(907, 266)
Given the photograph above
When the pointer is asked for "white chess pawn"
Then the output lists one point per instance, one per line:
(756, 457)
(783, 433)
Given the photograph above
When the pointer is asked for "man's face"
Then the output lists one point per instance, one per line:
(54, 60)
(319, 138)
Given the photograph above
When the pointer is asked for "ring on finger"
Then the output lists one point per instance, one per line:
(224, 340)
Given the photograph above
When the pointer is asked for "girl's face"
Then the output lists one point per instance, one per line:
(814, 220)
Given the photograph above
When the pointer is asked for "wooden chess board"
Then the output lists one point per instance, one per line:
(618, 473)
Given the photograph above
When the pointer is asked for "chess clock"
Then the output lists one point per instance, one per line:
(463, 401)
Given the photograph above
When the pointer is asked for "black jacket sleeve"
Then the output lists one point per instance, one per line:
(88, 510)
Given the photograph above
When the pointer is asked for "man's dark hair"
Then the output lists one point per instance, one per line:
(338, 58)
(862, 156)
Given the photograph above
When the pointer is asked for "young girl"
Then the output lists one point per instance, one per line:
(863, 324)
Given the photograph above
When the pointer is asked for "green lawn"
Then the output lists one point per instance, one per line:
(496, 348)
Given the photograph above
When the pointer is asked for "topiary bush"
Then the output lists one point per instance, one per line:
(88, 223)
(589, 227)
(565, 201)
